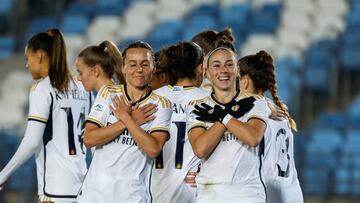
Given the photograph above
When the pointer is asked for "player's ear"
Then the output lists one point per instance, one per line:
(40, 56)
(245, 81)
(164, 78)
(199, 69)
(123, 67)
(97, 70)
(207, 74)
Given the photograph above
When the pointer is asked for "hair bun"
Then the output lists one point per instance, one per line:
(226, 44)
(102, 46)
(226, 35)
(264, 57)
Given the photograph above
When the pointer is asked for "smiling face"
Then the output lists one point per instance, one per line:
(138, 67)
(222, 70)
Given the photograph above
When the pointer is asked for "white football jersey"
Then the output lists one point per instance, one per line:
(177, 157)
(60, 161)
(120, 171)
(232, 171)
(279, 166)
(206, 85)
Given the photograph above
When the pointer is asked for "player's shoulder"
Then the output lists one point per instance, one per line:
(257, 97)
(163, 101)
(200, 93)
(107, 90)
(163, 91)
(282, 123)
(259, 100)
(41, 85)
(205, 99)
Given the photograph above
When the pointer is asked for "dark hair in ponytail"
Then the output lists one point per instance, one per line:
(260, 68)
(182, 59)
(53, 44)
(107, 55)
(208, 40)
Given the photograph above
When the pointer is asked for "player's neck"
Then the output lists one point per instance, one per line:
(184, 82)
(224, 96)
(44, 70)
(136, 94)
(102, 83)
(252, 91)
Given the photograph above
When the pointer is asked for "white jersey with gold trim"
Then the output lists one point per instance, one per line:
(279, 166)
(60, 161)
(120, 171)
(232, 172)
(206, 85)
(177, 157)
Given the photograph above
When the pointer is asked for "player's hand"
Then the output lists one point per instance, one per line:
(143, 114)
(120, 108)
(241, 107)
(207, 113)
(276, 112)
(190, 179)
(1, 187)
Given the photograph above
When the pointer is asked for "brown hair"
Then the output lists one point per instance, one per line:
(139, 44)
(163, 67)
(181, 59)
(260, 68)
(208, 40)
(107, 55)
(53, 44)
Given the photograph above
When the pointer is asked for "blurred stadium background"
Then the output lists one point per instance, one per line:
(316, 45)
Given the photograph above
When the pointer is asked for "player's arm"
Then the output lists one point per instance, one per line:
(97, 131)
(276, 112)
(204, 141)
(95, 135)
(152, 143)
(250, 133)
(39, 102)
(31, 141)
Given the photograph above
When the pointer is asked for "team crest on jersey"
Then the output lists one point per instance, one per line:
(177, 88)
(98, 107)
(235, 107)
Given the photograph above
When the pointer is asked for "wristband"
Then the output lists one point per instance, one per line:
(226, 119)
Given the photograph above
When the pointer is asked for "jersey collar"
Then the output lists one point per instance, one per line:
(223, 104)
(133, 103)
(189, 87)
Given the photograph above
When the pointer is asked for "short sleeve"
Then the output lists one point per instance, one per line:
(260, 111)
(40, 101)
(100, 110)
(162, 119)
(191, 121)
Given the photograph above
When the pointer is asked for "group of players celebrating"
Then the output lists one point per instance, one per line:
(158, 131)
